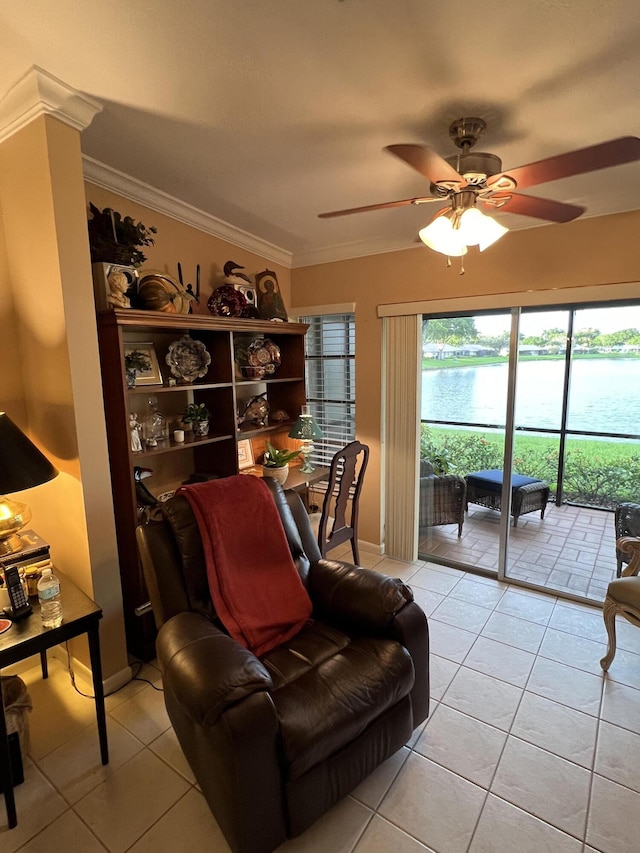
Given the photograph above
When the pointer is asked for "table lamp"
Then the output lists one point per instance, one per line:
(305, 429)
(22, 466)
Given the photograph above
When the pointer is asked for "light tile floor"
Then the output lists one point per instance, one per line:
(571, 550)
(529, 747)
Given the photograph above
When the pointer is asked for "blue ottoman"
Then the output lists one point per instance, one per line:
(527, 493)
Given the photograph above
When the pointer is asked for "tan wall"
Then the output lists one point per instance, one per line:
(11, 389)
(54, 359)
(596, 251)
(176, 242)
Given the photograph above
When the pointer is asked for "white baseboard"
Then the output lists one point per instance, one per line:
(110, 685)
(371, 548)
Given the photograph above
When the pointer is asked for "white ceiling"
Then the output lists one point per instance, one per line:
(265, 114)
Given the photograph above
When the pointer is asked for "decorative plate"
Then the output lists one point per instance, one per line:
(264, 353)
(188, 359)
(226, 301)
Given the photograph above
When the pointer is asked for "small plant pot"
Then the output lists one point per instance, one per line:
(201, 428)
(279, 474)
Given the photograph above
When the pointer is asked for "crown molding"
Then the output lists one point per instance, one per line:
(111, 179)
(39, 93)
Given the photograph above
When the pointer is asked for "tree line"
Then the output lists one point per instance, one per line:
(462, 330)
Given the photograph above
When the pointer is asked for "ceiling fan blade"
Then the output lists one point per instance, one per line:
(383, 206)
(540, 208)
(427, 162)
(626, 149)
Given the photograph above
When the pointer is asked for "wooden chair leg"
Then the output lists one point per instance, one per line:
(609, 616)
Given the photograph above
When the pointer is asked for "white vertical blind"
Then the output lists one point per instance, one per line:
(402, 336)
(330, 353)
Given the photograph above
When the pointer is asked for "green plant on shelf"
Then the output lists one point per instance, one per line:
(274, 458)
(195, 413)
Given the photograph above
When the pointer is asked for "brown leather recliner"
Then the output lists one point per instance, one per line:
(275, 742)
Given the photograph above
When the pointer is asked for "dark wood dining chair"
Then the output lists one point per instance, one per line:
(346, 475)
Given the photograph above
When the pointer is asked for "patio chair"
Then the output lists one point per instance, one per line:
(623, 596)
(627, 523)
(443, 498)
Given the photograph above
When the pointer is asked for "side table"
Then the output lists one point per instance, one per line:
(28, 637)
(296, 480)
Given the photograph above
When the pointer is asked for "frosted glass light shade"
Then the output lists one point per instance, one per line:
(441, 236)
(480, 229)
(474, 229)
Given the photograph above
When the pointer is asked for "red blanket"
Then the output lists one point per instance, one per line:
(254, 585)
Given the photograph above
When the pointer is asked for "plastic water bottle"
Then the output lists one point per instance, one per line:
(49, 598)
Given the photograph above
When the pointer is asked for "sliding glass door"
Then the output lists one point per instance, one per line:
(535, 412)
(465, 374)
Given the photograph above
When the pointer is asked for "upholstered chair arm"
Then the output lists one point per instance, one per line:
(630, 545)
(206, 670)
(367, 601)
(362, 599)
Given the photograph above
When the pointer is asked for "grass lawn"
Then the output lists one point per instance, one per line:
(604, 451)
(474, 361)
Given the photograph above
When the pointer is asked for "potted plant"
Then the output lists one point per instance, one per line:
(275, 463)
(198, 416)
(115, 239)
(134, 361)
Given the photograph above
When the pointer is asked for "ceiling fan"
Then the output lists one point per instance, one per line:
(469, 178)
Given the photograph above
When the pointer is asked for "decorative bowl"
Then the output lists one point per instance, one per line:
(251, 372)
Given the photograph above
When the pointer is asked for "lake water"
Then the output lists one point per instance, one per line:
(604, 394)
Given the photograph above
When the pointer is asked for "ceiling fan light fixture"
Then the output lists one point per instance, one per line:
(480, 230)
(441, 236)
(451, 232)
(492, 231)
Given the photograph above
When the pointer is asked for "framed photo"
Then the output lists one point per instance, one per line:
(150, 375)
(245, 454)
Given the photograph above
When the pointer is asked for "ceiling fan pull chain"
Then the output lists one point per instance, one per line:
(448, 262)
(461, 266)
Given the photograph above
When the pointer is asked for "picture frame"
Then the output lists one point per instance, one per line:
(152, 376)
(270, 304)
(245, 454)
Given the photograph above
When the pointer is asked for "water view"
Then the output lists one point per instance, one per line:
(604, 394)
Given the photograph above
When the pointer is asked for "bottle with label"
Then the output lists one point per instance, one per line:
(49, 598)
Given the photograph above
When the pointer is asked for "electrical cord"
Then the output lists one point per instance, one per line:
(134, 677)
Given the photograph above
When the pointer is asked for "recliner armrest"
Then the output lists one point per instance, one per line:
(359, 598)
(206, 670)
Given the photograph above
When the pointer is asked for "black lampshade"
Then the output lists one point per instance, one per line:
(22, 465)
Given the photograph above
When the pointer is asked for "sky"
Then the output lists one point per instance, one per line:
(606, 320)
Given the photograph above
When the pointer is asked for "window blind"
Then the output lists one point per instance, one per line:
(331, 382)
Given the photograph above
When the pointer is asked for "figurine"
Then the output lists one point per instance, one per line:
(135, 428)
(118, 286)
(233, 277)
(243, 284)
